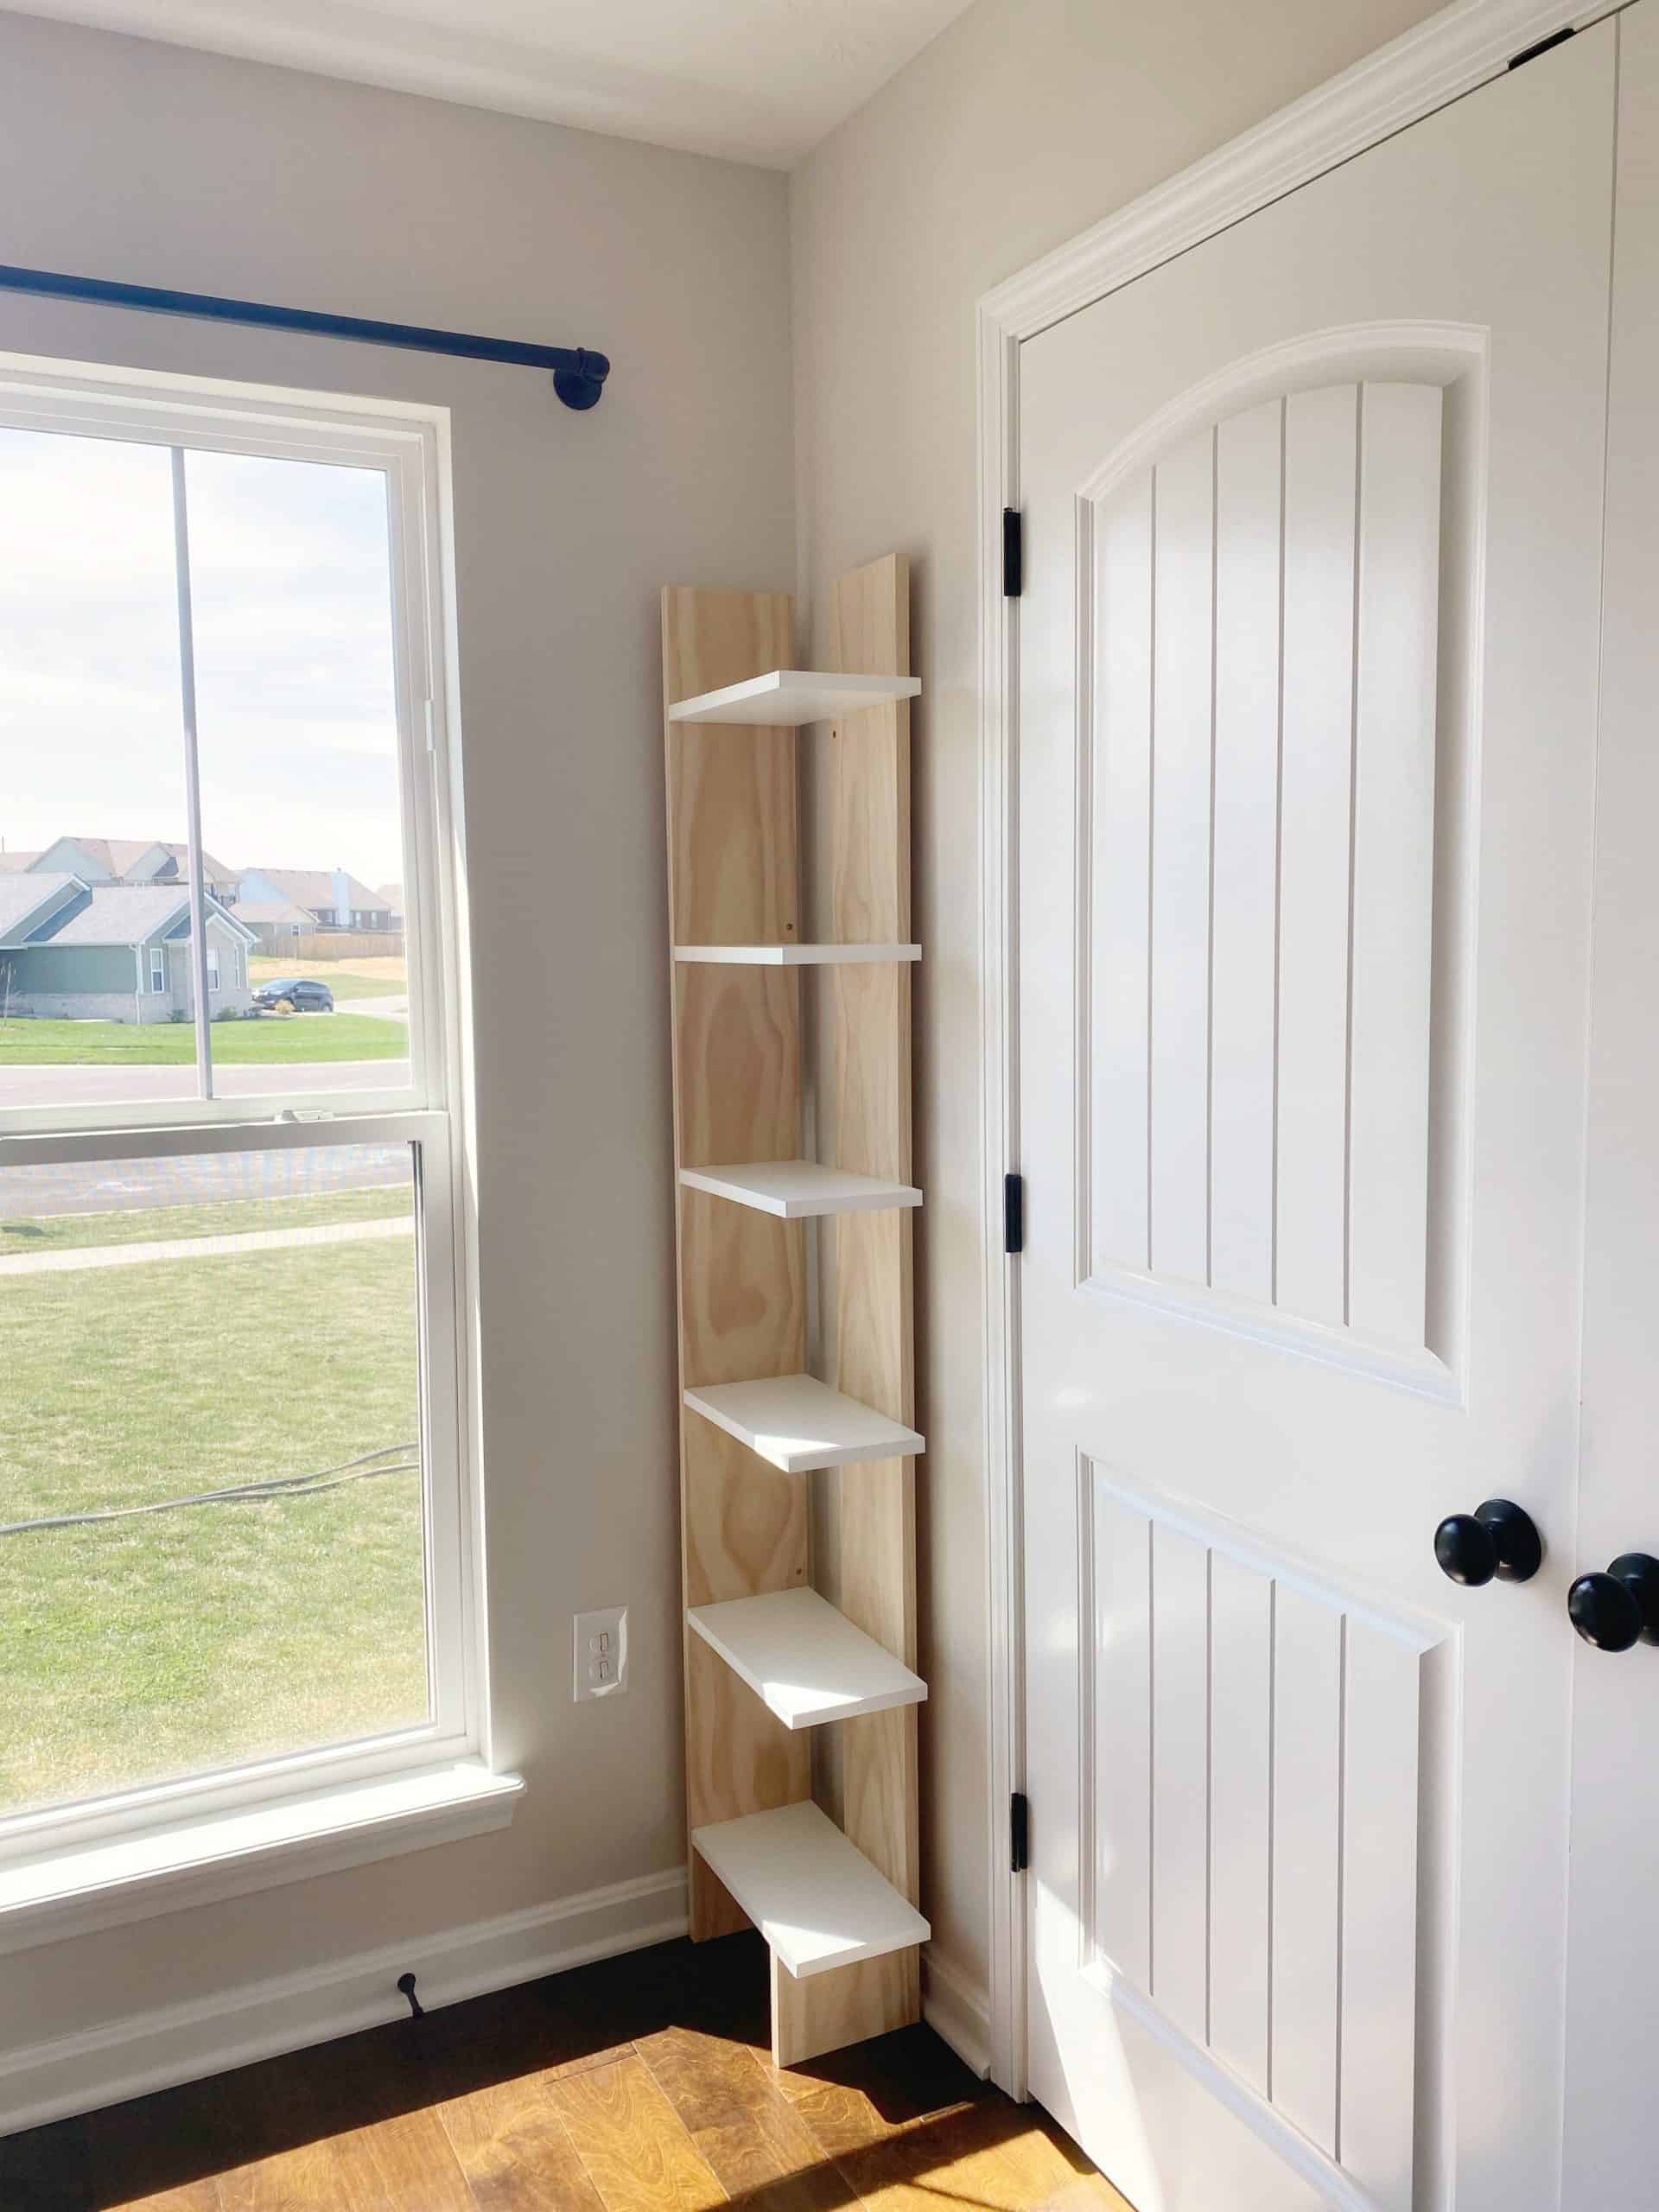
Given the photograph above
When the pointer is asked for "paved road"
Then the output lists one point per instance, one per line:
(207, 1179)
(56, 1086)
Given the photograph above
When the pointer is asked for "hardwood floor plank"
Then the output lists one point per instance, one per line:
(193, 2196)
(401, 2164)
(515, 2151)
(637, 2152)
(642, 2083)
(994, 2156)
(851, 2098)
(741, 2122)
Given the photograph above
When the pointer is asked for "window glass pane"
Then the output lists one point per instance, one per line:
(92, 823)
(243, 1325)
(292, 596)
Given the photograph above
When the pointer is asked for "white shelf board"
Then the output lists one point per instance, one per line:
(804, 1659)
(796, 956)
(797, 1423)
(799, 1190)
(788, 697)
(815, 1896)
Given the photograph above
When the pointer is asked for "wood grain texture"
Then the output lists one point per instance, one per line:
(866, 783)
(515, 2152)
(741, 2122)
(386, 2167)
(734, 877)
(637, 2154)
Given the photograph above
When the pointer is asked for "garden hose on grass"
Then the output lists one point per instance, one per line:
(396, 1457)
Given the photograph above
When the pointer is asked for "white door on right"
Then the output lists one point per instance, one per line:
(1307, 738)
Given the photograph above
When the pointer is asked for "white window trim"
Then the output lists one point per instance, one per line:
(213, 983)
(410, 444)
(151, 1850)
(157, 970)
(112, 1882)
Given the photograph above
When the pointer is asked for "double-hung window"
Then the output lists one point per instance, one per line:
(237, 1516)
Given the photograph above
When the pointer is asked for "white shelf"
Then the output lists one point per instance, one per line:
(789, 697)
(804, 1659)
(815, 1896)
(797, 1423)
(799, 1190)
(796, 955)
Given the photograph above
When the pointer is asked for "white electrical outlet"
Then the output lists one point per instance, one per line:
(602, 1653)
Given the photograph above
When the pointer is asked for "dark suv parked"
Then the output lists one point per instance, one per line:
(301, 994)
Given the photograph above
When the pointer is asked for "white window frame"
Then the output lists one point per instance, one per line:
(409, 445)
(213, 967)
(157, 970)
(439, 1778)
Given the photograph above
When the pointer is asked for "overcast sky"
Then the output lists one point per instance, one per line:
(294, 661)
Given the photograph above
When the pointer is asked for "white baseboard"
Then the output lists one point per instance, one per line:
(158, 2050)
(956, 2010)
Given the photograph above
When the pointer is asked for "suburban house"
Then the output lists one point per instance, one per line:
(277, 923)
(112, 952)
(130, 860)
(331, 899)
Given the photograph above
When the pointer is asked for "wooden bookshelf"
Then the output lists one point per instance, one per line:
(767, 1659)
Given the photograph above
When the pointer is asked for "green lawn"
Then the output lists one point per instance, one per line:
(148, 1648)
(345, 980)
(234, 1217)
(274, 1041)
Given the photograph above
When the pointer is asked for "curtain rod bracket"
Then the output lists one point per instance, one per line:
(582, 386)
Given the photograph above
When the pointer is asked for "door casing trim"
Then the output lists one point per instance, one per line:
(1451, 52)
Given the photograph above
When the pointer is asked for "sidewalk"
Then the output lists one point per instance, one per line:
(197, 1248)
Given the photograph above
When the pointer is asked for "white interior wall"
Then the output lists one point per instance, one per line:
(1021, 125)
(159, 166)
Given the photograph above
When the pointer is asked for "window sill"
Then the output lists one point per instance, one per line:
(106, 1885)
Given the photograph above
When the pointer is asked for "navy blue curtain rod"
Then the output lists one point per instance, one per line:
(578, 376)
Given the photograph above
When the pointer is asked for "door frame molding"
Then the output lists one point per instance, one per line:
(1451, 52)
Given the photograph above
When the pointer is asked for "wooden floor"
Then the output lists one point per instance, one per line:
(640, 2084)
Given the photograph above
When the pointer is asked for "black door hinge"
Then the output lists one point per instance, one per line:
(1013, 1213)
(1014, 553)
(1019, 1832)
(1531, 53)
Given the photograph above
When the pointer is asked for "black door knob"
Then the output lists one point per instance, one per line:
(1620, 1608)
(1497, 1538)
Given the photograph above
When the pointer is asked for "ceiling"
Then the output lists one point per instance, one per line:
(758, 80)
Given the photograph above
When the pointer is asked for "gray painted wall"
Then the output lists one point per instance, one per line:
(144, 161)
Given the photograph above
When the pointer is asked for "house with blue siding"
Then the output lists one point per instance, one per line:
(71, 949)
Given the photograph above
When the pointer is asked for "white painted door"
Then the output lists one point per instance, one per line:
(1613, 1911)
(1307, 736)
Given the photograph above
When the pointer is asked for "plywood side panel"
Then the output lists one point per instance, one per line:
(864, 765)
(734, 877)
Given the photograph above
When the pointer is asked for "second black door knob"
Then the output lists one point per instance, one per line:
(1620, 1608)
(1498, 1538)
